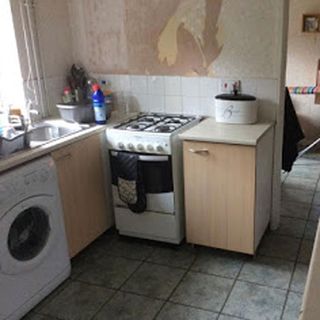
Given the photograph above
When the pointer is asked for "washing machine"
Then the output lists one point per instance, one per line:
(34, 257)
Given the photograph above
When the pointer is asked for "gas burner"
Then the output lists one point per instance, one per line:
(135, 127)
(175, 120)
(164, 128)
(149, 119)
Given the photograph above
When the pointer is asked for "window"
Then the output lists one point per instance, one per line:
(21, 77)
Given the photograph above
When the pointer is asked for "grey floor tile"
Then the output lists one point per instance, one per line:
(154, 280)
(176, 257)
(268, 271)
(311, 230)
(35, 316)
(127, 306)
(218, 263)
(82, 261)
(225, 317)
(129, 248)
(179, 312)
(297, 195)
(316, 199)
(310, 172)
(295, 209)
(51, 296)
(305, 251)
(279, 247)
(291, 227)
(110, 271)
(315, 213)
(77, 301)
(293, 306)
(300, 182)
(299, 278)
(203, 291)
(255, 302)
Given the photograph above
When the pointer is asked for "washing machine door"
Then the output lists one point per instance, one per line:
(27, 232)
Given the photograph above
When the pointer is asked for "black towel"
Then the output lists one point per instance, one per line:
(292, 134)
(130, 181)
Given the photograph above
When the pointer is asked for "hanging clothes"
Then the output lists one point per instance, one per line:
(292, 134)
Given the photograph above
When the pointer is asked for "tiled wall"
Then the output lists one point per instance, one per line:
(187, 95)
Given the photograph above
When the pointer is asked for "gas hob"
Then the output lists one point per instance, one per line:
(155, 122)
(151, 133)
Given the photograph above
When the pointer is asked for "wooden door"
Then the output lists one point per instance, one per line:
(81, 180)
(219, 195)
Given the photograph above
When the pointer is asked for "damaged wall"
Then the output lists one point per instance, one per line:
(176, 37)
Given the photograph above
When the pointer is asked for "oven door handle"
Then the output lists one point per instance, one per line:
(150, 158)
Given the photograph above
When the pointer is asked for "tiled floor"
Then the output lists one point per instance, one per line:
(120, 278)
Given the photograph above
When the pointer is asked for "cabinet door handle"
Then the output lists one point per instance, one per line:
(199, 151)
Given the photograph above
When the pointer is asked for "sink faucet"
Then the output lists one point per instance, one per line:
(26, 124)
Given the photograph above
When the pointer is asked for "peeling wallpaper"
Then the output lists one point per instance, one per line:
(177, 37)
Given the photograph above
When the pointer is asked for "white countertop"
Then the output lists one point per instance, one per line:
(210, 131)
(22, 156)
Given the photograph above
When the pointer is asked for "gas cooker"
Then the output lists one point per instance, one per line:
(151, 133)
(155, 122)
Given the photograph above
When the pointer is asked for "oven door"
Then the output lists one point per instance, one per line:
(157, 179)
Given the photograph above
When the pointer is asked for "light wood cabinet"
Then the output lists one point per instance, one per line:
(228, 193)
(80, 168)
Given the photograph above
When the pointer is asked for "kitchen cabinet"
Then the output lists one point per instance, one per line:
(81, 174)
(227, 186)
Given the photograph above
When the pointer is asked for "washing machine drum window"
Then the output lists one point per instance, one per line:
(28, 234)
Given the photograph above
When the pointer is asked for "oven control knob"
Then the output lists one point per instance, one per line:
(140, 147)
(160, 148)
(121, 145)
(150, 147)
(130, 146)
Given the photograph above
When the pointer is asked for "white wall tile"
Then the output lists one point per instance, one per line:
(155, 85)
(156, 103)
(172, 86)
(173, 104)
(191, 105)
(124, 83)
(190, 87)
(249, 86)
(139, 84)
(207, 107)
(209, 87)
(139, 102)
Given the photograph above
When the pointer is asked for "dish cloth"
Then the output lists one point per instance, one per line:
(130, 181)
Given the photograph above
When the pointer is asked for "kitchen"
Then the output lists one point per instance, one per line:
(172, 62)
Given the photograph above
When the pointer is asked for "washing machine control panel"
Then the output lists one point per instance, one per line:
(19, 184)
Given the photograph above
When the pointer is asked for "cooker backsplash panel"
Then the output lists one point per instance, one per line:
(187, 95)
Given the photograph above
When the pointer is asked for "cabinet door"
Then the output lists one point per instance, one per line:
(82, 188)
(219, 195)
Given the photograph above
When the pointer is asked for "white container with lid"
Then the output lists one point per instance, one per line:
(236, 108)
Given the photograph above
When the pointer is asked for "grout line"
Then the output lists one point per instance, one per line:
(175, 288)
(119, 289)
(232, 287)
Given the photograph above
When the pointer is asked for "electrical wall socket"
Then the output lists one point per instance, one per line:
(226, 85)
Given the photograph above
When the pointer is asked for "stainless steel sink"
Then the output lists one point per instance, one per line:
(48, 131)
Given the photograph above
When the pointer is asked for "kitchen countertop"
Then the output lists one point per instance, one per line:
(210, 131)
(22, 156)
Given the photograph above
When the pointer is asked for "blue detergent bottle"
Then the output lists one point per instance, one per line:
(99, 105)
